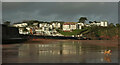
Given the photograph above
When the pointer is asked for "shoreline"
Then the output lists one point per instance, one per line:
(113, 43)
(68, 40)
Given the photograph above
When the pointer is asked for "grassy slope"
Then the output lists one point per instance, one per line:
(74, 32)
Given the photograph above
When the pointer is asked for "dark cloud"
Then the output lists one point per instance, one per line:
(66, 11)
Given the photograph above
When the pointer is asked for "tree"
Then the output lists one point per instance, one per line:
(95, 21)
(90, 22)
(7, 23)
(117, 25)
(111, 25)
(82, 20)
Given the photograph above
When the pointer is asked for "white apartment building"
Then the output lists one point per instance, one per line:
(73, 26)
(69, 26)
(66, 27)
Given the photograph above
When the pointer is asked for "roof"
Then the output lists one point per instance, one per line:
(69, 23)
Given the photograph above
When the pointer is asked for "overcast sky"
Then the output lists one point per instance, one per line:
(60, 0)
(62, 11)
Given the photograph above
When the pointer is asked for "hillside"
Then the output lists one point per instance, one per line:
(105, 33)
(96, 32)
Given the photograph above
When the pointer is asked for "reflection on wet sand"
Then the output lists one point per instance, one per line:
(57, 52)
(51, 49)
(107, 58)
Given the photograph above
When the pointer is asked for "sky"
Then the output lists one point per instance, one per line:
(60, 0)
(60, 11)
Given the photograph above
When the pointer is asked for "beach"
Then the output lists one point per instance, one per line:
(60, 51)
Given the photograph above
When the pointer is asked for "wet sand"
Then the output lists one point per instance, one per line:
(113, 43)
(60, 51)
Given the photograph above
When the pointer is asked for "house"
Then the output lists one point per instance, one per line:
(95, 23)
(17, 25)
(87, 25)
(73, 26)
(24, 24)
(20, 24)
(28, 28)
(23, 30)
(80, 25)
(68, 26)
(104, 23)
(43, 25)
(40, 25)
(56, 25)
(35, 24)
(51, 26)
(38, 31)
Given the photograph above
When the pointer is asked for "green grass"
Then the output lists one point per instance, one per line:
(74, 32)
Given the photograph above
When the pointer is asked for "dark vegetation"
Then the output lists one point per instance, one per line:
(106, 33)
